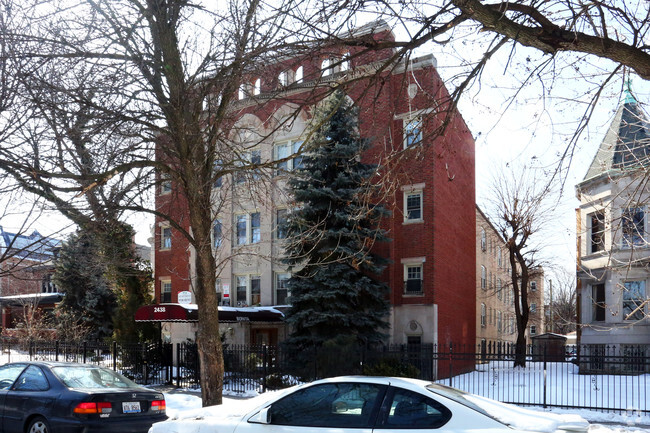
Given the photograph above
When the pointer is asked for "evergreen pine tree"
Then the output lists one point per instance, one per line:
(81, 275)
(334, 290)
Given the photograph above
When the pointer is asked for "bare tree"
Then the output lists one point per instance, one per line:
(126, 96)
(520, 209)
(562, 303)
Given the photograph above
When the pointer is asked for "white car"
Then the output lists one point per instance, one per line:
(357, 404)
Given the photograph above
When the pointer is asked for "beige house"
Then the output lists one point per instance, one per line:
(495, 309)
(613, 250)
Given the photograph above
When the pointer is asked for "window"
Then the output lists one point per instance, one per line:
(243, 93)
(632, 222)
(499, 321)
(9, 373)
(218, 181)
(242, 229)
(533, 307)
(281, 224)
(326, 67)
(499, 289)
(248, 228)
(165, 184)
(598, 302)
(257, 87)
(288, 156)
(283, 79)
(413, 283)
(256, 296)
(533, 330)
(483, 240)
(256, 230)
(483, 315)
(241, 291)
(634, 300)
(483, 278)
(533, 286)
(597, 231)
(412, 131)
(165, 292)
(248, 290)
(47, 285)
(499, 258)
(329, 405)
(217, 234)
(165, 238)
(281, 288)
(413, 206)
(32, 379)
(298, 76)
(345, 63)
(410, 410)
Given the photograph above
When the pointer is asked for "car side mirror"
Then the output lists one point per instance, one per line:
(261, 417)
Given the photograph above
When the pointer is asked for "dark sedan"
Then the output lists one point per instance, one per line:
(52, 397)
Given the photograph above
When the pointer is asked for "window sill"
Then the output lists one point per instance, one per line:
(165, 249)
(414, 221)
(413, 294)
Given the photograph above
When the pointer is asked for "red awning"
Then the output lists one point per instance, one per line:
(190, 313)
(166, 313)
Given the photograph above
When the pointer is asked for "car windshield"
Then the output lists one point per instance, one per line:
(91, 377)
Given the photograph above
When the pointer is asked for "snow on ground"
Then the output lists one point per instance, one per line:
(185, 404)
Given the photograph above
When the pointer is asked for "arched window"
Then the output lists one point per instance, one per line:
(483, 277)
(299, 74)
(283, 79)
(483, 239)
(325, 67)
(257, 87)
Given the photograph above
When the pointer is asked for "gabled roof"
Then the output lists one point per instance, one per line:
(626, 144)
(33, 247)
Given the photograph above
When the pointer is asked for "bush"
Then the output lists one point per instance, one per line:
(392, 367)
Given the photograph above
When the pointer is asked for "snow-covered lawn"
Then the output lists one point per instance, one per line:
(560, 386)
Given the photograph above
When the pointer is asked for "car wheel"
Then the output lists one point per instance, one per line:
(38, 425)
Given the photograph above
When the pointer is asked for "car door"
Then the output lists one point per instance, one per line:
(8, 375)
(28, 395)
(324, 408)
(404, 411)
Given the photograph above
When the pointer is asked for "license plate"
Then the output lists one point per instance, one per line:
(130, 407)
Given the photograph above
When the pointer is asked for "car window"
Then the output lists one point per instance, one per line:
(9, 373)
(32, 379)
(91, 377)
(339, 405)
(410, 410)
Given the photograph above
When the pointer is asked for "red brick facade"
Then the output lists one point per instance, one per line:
(438, 171)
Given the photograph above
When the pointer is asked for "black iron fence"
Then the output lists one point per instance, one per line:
(608, 378)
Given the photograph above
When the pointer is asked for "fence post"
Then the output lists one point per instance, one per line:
(83, 348)
(31, 350)
(114, 355)
(544, 398)
(178, 364)
(265, 360)
(56, 350)
(451, 370)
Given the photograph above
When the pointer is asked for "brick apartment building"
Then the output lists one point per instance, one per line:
(432, 254)
(495, 311)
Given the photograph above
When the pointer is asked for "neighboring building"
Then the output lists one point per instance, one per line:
(431, 274)
(495, 311)
(613, 250)
(26, 270)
